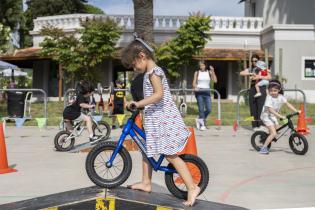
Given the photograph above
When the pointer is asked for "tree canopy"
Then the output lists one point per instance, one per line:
(10, 13)
(78, 56)
(4, 38)
(190, 40)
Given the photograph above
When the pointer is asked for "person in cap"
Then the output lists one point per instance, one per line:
(263, 71)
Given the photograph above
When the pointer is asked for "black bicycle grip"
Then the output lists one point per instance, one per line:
(132, 107)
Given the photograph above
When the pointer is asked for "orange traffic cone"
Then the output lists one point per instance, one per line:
(190, 148)
(138, 121)
(301, 124)
(129, 144)
(4, 168)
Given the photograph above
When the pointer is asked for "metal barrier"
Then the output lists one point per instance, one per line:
(246, 90)
(186, 90)
(67, 93)
(177, 93)
(32, 90)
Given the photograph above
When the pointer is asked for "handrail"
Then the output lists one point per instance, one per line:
(185, 90)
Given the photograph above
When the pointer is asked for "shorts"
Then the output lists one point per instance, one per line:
(263, 82)
(69, 114)
(268, 119)
(118, 109)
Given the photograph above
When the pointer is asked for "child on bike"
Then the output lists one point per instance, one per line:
(165, 130)
(263, 71)
(73, 112)
(270, 113)
(119, 100)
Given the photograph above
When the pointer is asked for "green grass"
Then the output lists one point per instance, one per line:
(228, 113)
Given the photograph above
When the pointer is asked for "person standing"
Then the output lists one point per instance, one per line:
(201, 85)
(165, 130)
(118, 98)
(256, 104)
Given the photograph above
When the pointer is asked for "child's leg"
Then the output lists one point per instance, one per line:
(257, 87)
(181, 168)
(272, 135)
(69, 126)
(145, 184)
(114, 121)
(88, 122)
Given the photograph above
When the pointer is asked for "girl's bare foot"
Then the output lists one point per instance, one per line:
(192, 195)
(140, 186)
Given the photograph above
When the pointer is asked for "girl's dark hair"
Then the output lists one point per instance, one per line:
(255, 56)
(276, 84)
(131, 53)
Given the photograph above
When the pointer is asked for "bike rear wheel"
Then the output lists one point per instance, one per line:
(298, 143)
(103, 129)
(99, 173)
(198, 170)
(63, 142)
(258, 140)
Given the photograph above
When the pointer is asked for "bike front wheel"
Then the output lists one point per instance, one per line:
(102, 129)
(63, 142)
(298, 144)
(99, 173)
(198, 170)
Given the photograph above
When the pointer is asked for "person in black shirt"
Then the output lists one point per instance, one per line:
(256, 104)
(73, 112)
(118, 98)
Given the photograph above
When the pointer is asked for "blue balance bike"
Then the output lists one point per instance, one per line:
(109, 163)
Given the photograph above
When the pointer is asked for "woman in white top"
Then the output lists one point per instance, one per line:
(201, 84)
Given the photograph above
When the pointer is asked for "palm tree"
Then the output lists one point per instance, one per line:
(143, 16)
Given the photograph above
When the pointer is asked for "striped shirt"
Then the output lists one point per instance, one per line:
(165, 130)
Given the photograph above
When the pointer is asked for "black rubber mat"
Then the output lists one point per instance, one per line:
(116, 199)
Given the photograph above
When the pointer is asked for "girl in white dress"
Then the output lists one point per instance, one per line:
(165, 130)
(270, 113)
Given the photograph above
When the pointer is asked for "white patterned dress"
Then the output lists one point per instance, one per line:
(165, 130)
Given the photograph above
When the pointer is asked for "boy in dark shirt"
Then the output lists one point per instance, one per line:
(119, 100)
(73, 111)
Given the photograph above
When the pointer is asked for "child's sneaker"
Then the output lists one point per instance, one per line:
(197, 124)
(203, 128)
(257, 95)
(95, 139)
(114, 127)
(264, 150)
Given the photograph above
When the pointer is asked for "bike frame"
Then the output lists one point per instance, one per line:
(289, 125)
(82, 125)
(134, 131)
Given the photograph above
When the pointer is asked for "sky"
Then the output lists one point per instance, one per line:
(175, 7)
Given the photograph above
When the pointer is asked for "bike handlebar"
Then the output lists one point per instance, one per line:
(292, 115)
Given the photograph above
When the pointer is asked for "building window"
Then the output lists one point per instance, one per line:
(253, 4)
(308, 68)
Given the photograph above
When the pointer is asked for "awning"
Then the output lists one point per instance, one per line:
(5, 65)
(31, 53)
(12, 72)
(228, 54)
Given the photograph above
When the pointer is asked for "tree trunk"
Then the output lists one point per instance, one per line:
(143, 16)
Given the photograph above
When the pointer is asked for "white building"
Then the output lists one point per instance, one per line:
(289, 36)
